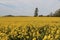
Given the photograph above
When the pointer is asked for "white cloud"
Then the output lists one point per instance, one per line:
(26, 7)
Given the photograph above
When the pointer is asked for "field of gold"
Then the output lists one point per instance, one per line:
(17, 21)
(29, 28)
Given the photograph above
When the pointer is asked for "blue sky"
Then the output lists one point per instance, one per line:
(27, 7)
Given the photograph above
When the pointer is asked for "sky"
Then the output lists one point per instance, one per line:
(27, 7)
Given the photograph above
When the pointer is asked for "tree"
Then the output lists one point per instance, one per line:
(57, 13)
(51, 14)
(40, 15)
(8, 16)
(36, 12)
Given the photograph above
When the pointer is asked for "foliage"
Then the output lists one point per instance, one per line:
(57, 13)
(30, 32)
(36, 12)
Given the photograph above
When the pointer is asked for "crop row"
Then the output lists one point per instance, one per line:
(30, 32)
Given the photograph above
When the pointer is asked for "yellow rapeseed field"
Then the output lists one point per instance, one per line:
(29, 28)
(29, 20)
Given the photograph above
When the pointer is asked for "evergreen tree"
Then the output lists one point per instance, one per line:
(36, 12)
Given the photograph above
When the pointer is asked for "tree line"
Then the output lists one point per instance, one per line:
(55, 14)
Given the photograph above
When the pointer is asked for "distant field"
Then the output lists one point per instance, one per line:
(29, 20)
(29, 28)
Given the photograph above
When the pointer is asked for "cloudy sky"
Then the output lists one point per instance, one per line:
(27, 7)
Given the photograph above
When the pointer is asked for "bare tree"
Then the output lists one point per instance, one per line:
(57, 13)
(51, 14)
